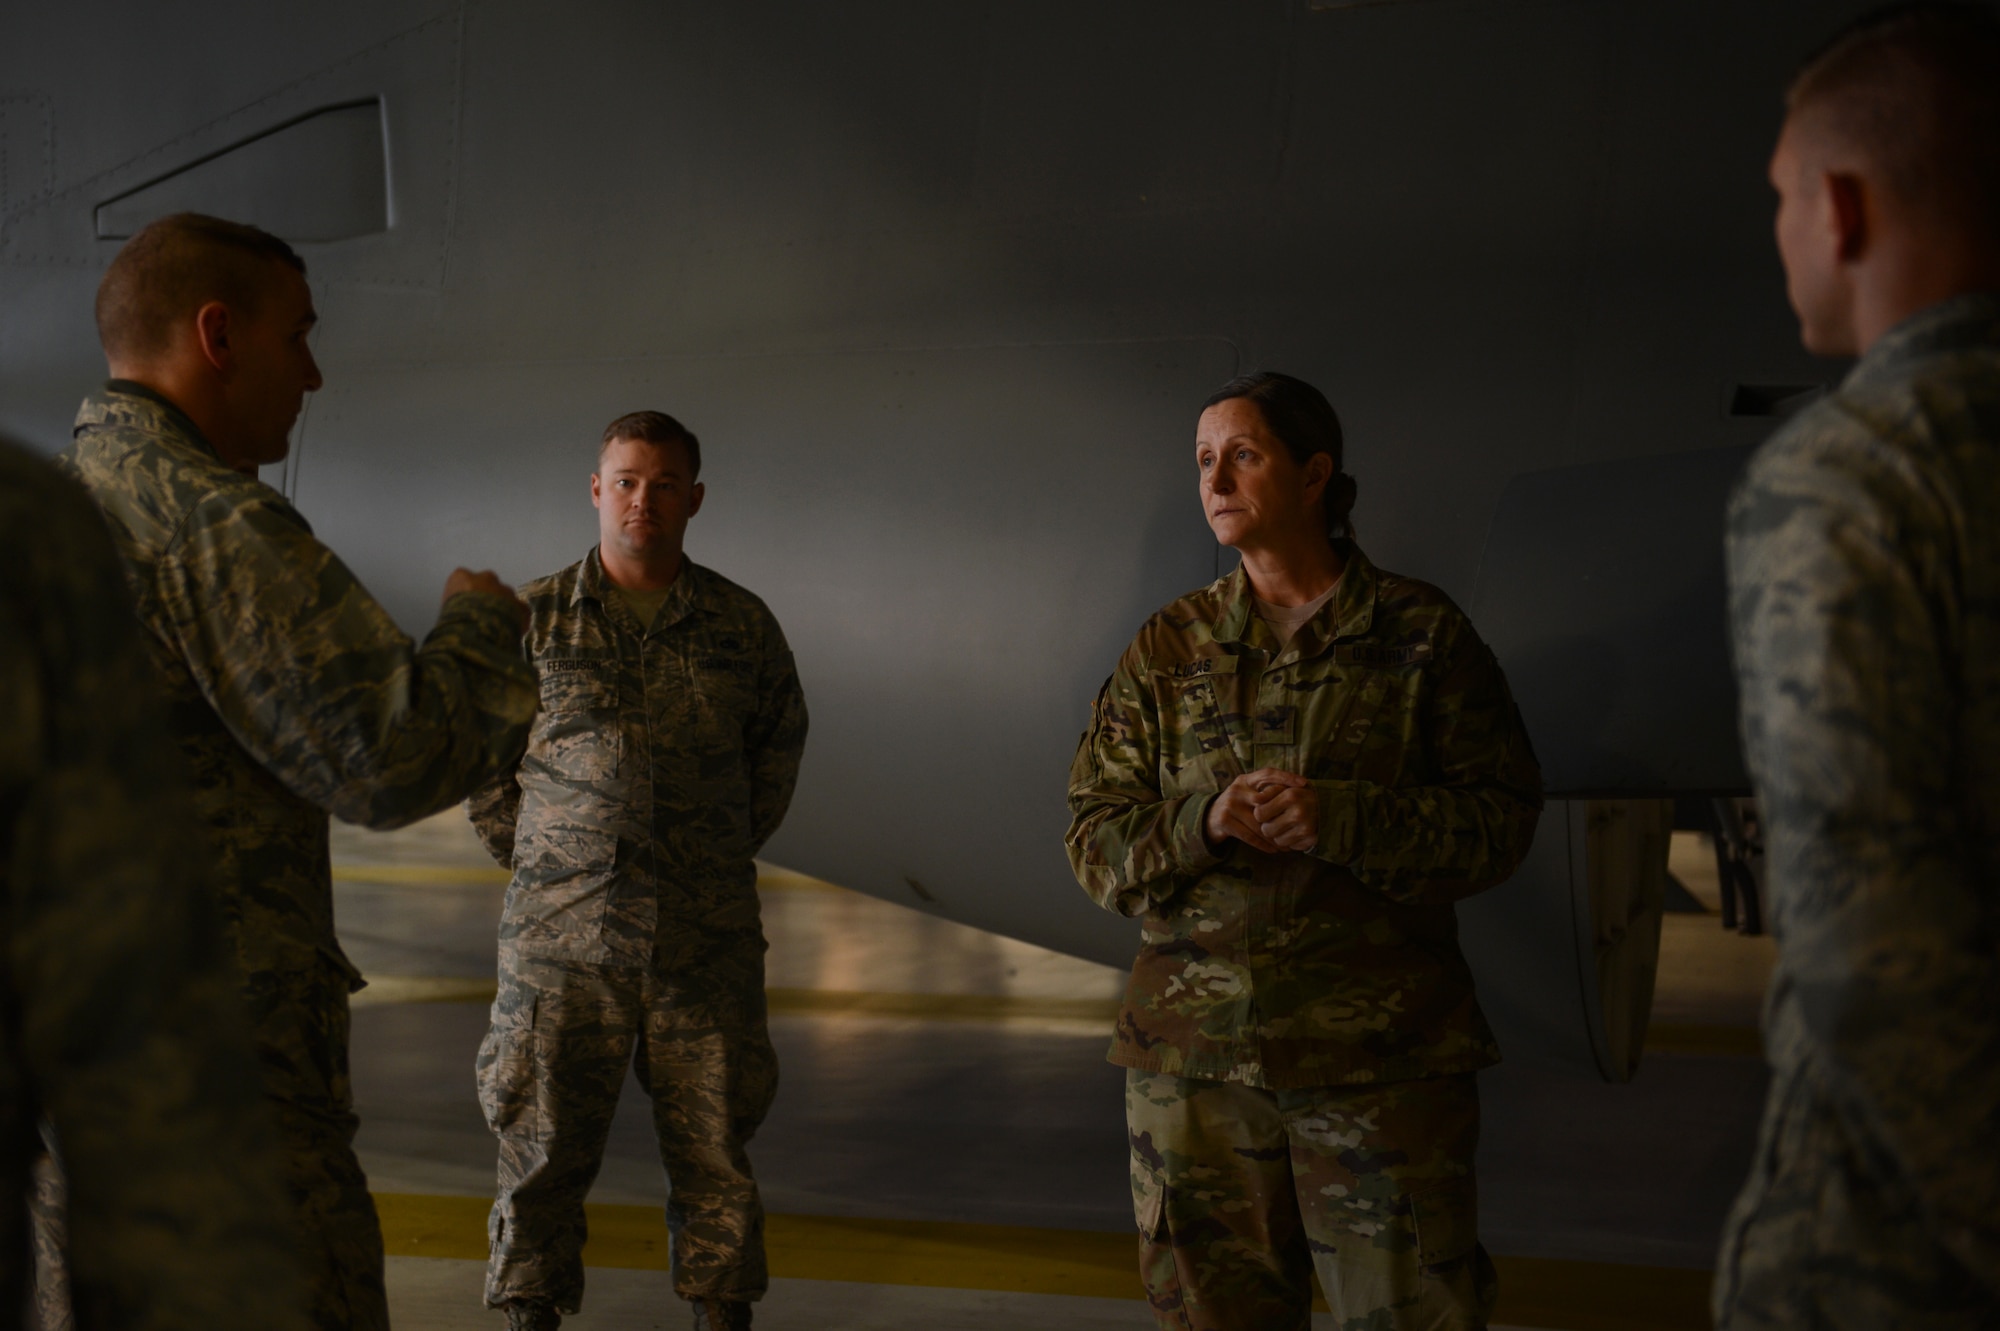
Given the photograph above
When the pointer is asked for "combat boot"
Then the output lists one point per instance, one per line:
(531, 1316)
(721, 1315)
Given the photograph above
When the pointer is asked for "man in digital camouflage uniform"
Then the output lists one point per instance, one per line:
(1864, 571)
(290, 689)
(124, 1031)
(666, 753)
(1300, 1026)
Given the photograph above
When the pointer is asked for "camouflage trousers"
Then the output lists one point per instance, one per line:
(49, 1306)
(299, 1026)
(301, 1038)
(1241, 1193)
(1825, 1235)
(550, 1071)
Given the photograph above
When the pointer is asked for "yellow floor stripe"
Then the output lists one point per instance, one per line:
(1711, 1041)
(421, 875)
(1714, 1041)
(1567, 1296)
(383, 989)
(769, 879)
(950, 1007)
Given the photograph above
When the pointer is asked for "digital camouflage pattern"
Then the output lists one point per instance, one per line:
(564, 1034)
(1864, 571)
(293, 694)
(663, 759)
(120, 1024)
(1241, 1192)
(631, 935)
(1341, 965)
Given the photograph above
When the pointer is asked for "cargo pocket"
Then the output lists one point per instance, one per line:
(1446, 1214)
(1159, 1257)
(1456, 1279)
(511, 1087)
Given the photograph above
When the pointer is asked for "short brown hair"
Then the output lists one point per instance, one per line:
(653, 427)
(175, 266)
(1914, 89)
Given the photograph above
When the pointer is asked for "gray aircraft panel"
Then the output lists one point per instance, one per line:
(897, 260)
(1602, 593)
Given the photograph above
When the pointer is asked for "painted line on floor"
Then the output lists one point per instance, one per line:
(947, 1007)
(769, 877)
(1095, 1012)
(422, 875)
(1705, 1041)
(1708, 1041)
(382, 990)
(1562, 1295)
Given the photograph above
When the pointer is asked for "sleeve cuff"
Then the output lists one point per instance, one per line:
(479, 605)
(1339, 822)
(1191, 851)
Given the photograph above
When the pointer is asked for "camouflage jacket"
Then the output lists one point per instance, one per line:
(290, 689)
(120, 1019)
(663, 759)
(1298, 969)
(1864, 571)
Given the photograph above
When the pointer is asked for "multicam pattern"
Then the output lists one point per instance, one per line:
(293, 694)
(1864, 563)
(124, 1028)
(664, 758)
(1240, 1193)
(1295, 969)
(564, 1034)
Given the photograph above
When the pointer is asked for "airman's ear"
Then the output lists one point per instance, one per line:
(212, 332)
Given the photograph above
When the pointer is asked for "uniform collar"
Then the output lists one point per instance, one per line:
(1349, 614)
(123, 404)
(1957, 324)
(690, 592)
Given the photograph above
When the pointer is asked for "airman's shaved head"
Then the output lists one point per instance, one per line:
(171, 269)
(1910, 96)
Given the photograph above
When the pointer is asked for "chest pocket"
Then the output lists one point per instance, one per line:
(580, 735)
(1193, 699)
(1378, 733)
(725, 685)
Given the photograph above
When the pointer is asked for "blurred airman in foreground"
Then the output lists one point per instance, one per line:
(124, 1029)
(1864, 569)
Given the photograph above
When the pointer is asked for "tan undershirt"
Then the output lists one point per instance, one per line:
(1286, 620)
(645, 606)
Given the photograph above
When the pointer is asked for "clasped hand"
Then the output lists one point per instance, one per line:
(1268, 810)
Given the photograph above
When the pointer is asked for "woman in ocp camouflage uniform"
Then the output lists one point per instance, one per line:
(1289, 779)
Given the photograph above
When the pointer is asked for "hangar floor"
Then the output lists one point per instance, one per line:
(947, 1150)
